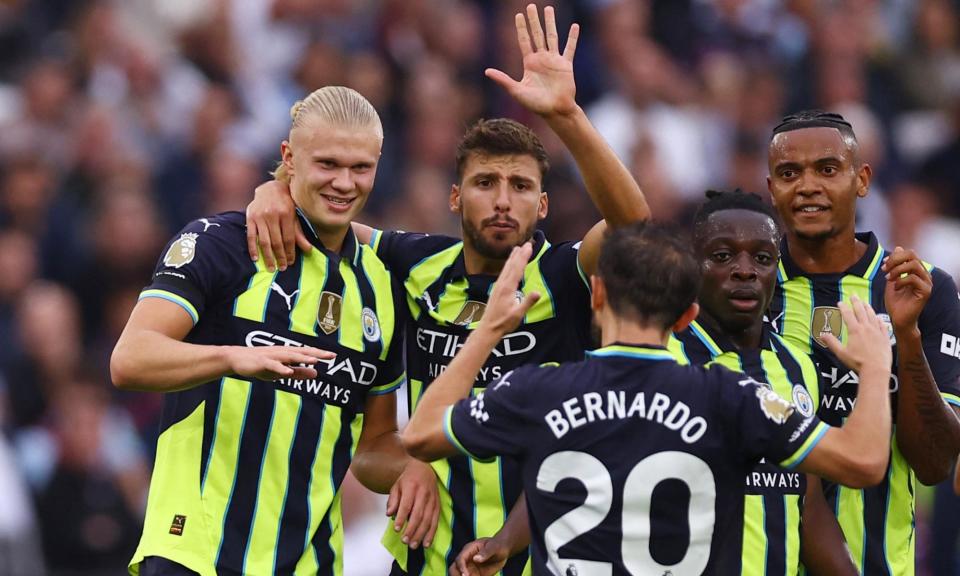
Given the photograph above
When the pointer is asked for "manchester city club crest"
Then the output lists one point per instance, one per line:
(371, 326)
(471, 312)
(885, 318)
(826, 320)
(182, 251)
(328, 315)
(802, 400)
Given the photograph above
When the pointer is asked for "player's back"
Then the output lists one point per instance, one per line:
(632, 463)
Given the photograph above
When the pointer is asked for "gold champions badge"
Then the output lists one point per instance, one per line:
(328, 315)
(472, 312)
(826, 320)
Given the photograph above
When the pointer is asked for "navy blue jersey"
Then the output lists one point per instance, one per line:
(632, 463)
(878, 522)
(247, 472)
(445, 304)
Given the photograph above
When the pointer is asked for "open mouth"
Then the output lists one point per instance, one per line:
(811, 209)
(337, 203)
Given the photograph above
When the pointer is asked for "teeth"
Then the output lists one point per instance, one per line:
(811, 209)
(341, 201)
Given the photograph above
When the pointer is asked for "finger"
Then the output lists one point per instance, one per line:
(288, 235)
(403, 511)
(523, 37)
(276, 244)
(501, 78)
(302, 240)
(289, 357)
(550, 21)
(393, 500)
(832, 344)
(535, 30)
(318, 353)
(252, 249)
(469, 551)
(571, 47)
(909, 267)
(416, 528)
(913, 282)
(303, 373)
(858, 308)
(528, 301)
(277, 369)
(263, 235)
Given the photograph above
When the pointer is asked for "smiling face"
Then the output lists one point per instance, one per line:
(738, 251)
(332, 170)
(500, 199)
(815, 180)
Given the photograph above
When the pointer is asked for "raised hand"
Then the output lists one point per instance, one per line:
(547, 87)
(867, 340)
(506, 305)
(909, 286)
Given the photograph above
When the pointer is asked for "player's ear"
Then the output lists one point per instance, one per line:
(286, 155)
(455, 199)
(686, 318)
(544, 206)
(598, 293)
(864, 175)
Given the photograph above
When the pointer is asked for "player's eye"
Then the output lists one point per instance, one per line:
(788, 174)
(764, 259)
(484, 183)
(720, 257)
(829, 170)
(327, 164)
(361, 168)
(521, 186)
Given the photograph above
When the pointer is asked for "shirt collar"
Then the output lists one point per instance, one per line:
(867, 266)
(350, 250)
(644, 352)
(718, 343)
(459, 267)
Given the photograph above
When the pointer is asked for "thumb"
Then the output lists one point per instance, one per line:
(393, 501)
(302, 241)
(833, 344)
(484, 552)
(501, 78)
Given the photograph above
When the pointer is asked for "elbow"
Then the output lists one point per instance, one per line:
(417, 444)
(122, 373)
(932, 475)
(867, 471)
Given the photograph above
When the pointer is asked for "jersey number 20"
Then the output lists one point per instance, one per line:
(637, 493)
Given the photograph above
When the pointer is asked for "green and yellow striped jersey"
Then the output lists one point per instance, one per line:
(445, 304)
(878, 522)
(247, 472)
(774, 500)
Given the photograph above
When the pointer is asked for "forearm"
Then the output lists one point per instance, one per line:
(153, 362)
(515, 533)
(610, 185)
(424, 437)
(379, 463)
(928, 431)
(823, 548)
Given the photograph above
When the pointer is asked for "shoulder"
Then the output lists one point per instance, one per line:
(403, 251)
(223, 233)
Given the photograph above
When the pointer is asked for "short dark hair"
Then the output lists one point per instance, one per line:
(815, 119)
(500, 137)
(650, 273)
(719, 200)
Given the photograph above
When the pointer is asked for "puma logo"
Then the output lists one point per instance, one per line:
(286, 297)
(208, 224)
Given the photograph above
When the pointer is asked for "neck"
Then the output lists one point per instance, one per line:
(825, 255)
(747, 338)
(614, 329)
(331, 238)
(477, 263)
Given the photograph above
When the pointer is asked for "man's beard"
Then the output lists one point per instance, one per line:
(488, 250)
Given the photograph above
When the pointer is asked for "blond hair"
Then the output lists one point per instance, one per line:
(336, 105)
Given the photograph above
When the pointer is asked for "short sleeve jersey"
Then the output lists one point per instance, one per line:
(774, 502)
(247, 472)
(673, 501)
(878, 522)
(445, 304)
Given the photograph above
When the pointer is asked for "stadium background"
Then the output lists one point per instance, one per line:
(120, 121)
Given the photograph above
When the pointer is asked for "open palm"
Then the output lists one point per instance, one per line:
(547, 86)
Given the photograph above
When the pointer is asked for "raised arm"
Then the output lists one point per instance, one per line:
(548, 89)
(424, 436)
(928, 431)
(151, 356)
(856, 455)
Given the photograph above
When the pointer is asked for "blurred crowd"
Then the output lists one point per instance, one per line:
(122, 120)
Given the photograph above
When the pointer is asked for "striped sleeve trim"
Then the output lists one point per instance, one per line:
(176, 299)
(805, 448)
(389, 387)
(583, 275)
(452, 438)
(375, 237)
(951, 399)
